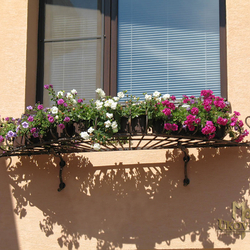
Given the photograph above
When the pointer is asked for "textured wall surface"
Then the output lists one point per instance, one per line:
(118, 200)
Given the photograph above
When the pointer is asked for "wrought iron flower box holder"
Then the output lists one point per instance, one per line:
(121, 141)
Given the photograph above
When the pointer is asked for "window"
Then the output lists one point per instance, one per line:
(176, 47)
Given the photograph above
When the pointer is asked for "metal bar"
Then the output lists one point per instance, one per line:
(70, 39)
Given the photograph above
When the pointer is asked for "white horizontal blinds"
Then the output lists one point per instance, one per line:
(171, 46)
(73, 46)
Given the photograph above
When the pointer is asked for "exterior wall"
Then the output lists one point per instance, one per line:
(118, 200)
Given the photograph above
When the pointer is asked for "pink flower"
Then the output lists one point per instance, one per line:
(197, 121)
(40, 107)
(167, 126)
(173, 98)
(80, 100)
(46, 86)
(194, 111)
(33, 130)
(60, 102)
(241, 123)
(191, 127)
(174, 127)
(166, 111)
(65, 104)
(35, 135)
(1, 138)
(222, 121)
(211, 136)
(61, 126)
(207, 108)
(236, 113)
(51, 119)
(66, 119)
(30, 118)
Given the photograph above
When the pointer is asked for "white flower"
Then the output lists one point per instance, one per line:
(96, 146)
(54, 110)
(56, 117)
(107, 123)
(113, 105)
(109, 115)
(60, 94)
(98, 104)
(166, 96)
(108, 103)
(186, 106)
(100, 92)
(73, 101)
(84, 135)
(148, 97)
(69, 96)
(114, 125)
(116, 99)
(90, 130)
(156, 94)
(158, 99)
(120, 94)
(73, 91)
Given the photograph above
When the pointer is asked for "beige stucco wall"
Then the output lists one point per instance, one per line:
(118, 200)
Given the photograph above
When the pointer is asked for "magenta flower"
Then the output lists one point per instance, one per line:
(46, 86)
(197, 120)
(167, 126)
(30, 118)
(1, 138)
(207, 108)
(173, 98)
(60, 102)
(174, 127)
(40, 107)
(222, 121)
(166, 111)
(194, 111)
(236, 113)
(33, 130)
(66, 119)
(65, 104)
(61, 126)
(51, 119)
(80, 100)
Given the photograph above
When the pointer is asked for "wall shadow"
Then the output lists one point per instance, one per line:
(8, 233)
(141, 204)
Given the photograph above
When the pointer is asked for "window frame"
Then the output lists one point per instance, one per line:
(111, 44)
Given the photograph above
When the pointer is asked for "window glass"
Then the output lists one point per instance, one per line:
(169, 46)
(73, 46)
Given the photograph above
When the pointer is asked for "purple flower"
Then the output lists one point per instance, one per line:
(80, 100)
(60, 102)
(46, 86)
(11, 134)
(29, 108)
(40, 107)
(35, 135)
(65, 104)
(61, 126)
(51, 119)
(25, 124)
(30, 118)
(66, 119)
(1, 138)
(7, 119)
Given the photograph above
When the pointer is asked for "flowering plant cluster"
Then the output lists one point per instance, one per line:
(100, 119)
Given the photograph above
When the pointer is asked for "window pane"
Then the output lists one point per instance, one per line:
(169, 46)
(73, 46)
(74, 64)
(75, 18)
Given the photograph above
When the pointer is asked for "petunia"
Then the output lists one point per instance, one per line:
(84, 135)
(25, 125)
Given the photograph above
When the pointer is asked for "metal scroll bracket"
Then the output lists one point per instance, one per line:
(62, 164)
(186, 159)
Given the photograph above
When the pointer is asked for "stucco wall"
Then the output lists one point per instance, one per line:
(118, 200)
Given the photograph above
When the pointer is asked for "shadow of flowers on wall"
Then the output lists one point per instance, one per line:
(141, 204)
